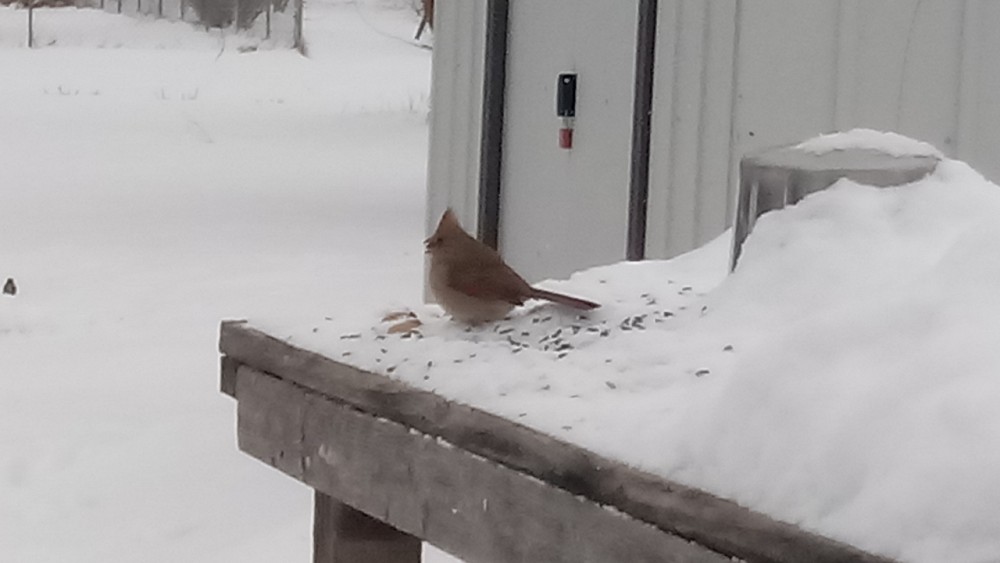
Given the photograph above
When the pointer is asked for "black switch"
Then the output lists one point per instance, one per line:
(566, 95)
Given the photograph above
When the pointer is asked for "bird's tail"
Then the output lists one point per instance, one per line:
(569, 301)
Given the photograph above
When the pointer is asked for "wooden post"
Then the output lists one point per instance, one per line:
(342, 534)
(298, 43)
(267, 20)
(31, 25)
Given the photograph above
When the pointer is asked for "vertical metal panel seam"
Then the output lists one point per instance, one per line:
(675, 109)
(642, 108)
(845, 64)
(440, 171)
(733, 113)
(471, 11)
(838, 70)
(968, 83)
(699, 188)
(904, 72)
(491, 143)
(448, 106)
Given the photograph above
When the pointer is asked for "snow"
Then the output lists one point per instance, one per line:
(843, 378)
(156, 180)
(861, 138)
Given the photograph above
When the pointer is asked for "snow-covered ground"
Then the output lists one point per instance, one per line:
(845, 377)
(153, 181)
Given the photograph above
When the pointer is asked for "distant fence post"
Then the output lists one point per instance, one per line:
(31, 25)
(297, 33)
(119, 6)
(267, 20)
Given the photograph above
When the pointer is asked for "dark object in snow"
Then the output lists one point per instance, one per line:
(701, 372)
(426, 18)
(515, 345)
(9, 287)
(634, 322)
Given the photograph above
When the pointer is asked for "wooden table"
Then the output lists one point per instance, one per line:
(392, 465)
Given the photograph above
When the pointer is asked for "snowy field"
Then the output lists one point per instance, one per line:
(154, 181)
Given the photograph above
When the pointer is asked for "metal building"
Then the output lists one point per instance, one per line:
(669, 95)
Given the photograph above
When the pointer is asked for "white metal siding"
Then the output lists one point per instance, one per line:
(563, 210)
(456, 110)
(780, 71)
(691, 125)
(731, 76)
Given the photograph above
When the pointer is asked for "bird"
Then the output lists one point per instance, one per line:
(471, 281)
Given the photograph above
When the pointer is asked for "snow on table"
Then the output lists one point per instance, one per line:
(846, 377)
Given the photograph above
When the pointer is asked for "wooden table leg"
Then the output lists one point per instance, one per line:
(342, 534)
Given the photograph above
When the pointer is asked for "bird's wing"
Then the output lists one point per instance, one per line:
(486, 284)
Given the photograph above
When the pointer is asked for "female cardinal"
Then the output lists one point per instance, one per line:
(473, 284)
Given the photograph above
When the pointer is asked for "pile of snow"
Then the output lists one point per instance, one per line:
(845, 377)
(883, 141)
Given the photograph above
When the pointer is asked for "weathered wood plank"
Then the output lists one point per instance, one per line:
(342, 534)
(470, 506)
(227, 376)
(716, 523)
